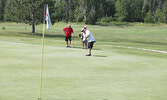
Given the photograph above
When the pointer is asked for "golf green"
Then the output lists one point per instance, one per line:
(111, 73)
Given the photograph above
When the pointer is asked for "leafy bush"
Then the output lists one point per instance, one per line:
(159, 16)
(148, 18)
(107, 19)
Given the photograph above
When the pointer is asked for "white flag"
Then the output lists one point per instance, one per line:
(47, 18)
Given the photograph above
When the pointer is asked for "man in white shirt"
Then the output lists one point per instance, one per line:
(91, 40)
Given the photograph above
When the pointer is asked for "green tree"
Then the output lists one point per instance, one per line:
(81, 10)
(28, 11)
(165, 11)
(78, 14)
(2, 9)
(136, 10)
(105, 9)
(121, 11)
(72, 8)
(65, 10)
(160, 3)
(109, 8)
(129, 10)
(59, 14)
(93, 11)
(9, 9)
(88, 11)
(148, 18)
(145, 8)
(158, 16)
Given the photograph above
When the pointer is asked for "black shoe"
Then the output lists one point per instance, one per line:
(88, 55)
(69, 46)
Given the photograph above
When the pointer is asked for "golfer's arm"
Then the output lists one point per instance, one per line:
(64, 31)
(87, 37)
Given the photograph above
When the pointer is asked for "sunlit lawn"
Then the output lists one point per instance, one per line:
(111, 73)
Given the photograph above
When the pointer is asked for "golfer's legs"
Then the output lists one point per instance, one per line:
(70, 43)
(67, 43)
(86, 45)
(89, 50)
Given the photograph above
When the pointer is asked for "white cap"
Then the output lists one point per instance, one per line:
(84, 26)
(82, 29)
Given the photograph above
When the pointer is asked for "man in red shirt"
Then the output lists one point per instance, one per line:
(68, 30)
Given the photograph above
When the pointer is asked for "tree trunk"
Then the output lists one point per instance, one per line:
(71, 10)
(151, 5)
(101, 11)
(67, 11)
(33, 24)
(160, 3)
(152, 8)
(33, 28)
(78, 14)
(84, 11)
(132, 6)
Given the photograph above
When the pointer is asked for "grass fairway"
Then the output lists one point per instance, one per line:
(112, 73)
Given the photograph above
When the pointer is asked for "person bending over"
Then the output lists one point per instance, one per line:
(91, 40)
(83, 40)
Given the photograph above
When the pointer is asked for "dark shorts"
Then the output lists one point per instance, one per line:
(90, 44)
(67, 38)
(84, 41)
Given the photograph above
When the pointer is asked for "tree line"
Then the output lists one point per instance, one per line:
(87, 11)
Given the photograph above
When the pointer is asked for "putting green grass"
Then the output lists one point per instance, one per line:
(111, 73)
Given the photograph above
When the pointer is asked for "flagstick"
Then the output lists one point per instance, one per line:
(42, 53)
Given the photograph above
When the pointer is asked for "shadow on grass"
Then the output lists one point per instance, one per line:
(50, 35)
(96, 49)
(99, 56)
(76, 47)
(80, 47)
(46, 35)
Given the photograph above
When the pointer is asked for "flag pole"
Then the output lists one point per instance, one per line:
(42, 56)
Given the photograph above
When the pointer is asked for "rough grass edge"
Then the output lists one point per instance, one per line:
(129, 24)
